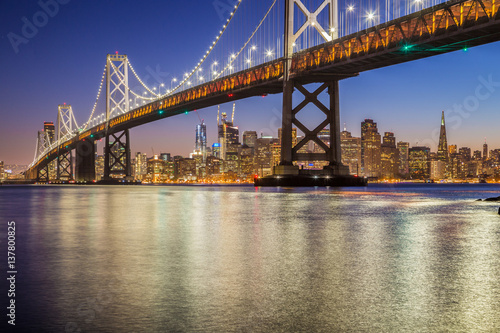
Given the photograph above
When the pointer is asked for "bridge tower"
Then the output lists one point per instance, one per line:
(66, 127)
(117, 157)
(329, 82)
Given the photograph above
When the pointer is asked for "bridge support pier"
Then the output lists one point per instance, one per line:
(117, 159)
(288, 174)
(85, 161)
(42, 174)
(65, 166)
(331, 154)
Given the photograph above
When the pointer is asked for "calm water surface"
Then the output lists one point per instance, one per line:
(406, 258)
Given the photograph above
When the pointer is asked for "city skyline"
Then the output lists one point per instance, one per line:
(401, 98)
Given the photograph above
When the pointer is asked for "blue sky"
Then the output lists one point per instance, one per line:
(62, 62)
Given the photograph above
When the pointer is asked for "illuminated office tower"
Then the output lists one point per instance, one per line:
(389, 157)
(419, 162)
(141, 165)
(228, 134)
(250, 138)
(403, 148)
(370, 149)
(201, 140)
(350, 151)
(485, 151)
(50, 129)
(442, 152)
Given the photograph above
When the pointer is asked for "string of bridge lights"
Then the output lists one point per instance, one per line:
(350, 8)
(208, 52)
(97, 98)
(235, 56)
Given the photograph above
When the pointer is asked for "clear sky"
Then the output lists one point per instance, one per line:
(62, 62)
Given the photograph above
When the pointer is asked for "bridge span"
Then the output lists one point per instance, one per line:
(440, 29)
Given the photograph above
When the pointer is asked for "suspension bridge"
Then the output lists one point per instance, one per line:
(289, 44)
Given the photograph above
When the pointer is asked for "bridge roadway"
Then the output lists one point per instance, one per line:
(436, 30)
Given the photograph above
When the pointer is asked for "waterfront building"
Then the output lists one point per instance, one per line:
(370, 149)
(389, 157)
(403, 149)
(350, 151)
(140, 165)
(419, 162)
(201, 140)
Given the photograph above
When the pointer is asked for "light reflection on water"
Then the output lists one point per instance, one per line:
(231, 259)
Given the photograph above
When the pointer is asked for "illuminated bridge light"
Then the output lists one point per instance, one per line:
(186, 112)
(160, 112)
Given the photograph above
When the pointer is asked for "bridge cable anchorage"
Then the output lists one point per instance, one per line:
(210, 49)
(248, 41)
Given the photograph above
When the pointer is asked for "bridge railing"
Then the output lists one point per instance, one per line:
(402, 32)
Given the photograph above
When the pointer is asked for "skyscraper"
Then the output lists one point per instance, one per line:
(350, 151)
(201, 140)
(228, 134)
(389, 156)
(485, 151)
(419, 162)
(50, 129)
(442, 153)
(370, 148)
(141, 165)
(403, 148)
(250, 138)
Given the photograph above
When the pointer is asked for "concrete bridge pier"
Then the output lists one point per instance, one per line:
(117, 157)
(85, 161)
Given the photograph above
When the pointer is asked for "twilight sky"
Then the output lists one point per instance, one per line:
(62, 62)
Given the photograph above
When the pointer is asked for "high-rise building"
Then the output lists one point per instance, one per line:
(452, 149)
(156, 170)
(465, 152)
(389, 157)
(485, 151)
(187, 169)
(50, 129)
(442, 152)
(216, 150)
(214, 165)
(141, 165)
(201, 140)
(165, 157)
(403, 148)
(263, 156)
(477, 155)
(250, 138)
(228, 134)
(438, 170)
(350, 151)
(2, 171)
(99, 167)
(419, 162)
(370, 149)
